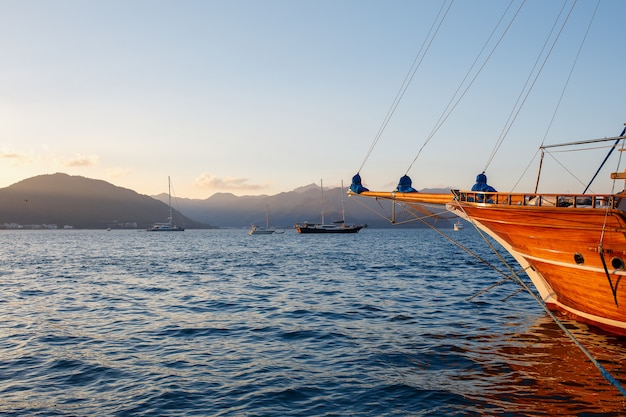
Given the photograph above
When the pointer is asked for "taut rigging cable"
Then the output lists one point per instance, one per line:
(452, 104)
(419, 58)
(521, 100)
(569, 76)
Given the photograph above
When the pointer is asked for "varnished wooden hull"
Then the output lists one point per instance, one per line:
(573, 254)
(563, 249)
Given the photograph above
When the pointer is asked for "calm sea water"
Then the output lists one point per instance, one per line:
(219, 323)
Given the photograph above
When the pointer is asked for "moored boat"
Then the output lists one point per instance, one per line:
(257, 230)
(339, 226)
(572, 246)
(167, 226)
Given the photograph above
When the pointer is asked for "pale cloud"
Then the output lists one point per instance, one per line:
(211, 182)
(81, 161)
(15, 158)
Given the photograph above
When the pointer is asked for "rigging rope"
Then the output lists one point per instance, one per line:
(580, 48)
(558, 105)
(566, 169)
(451, 107)
(617, 141)
(419, 58)
(521, 100)
(457, 243)
(606, 216)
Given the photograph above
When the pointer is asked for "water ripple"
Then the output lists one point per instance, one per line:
(224, 324)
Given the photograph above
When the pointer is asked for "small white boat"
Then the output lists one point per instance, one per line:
(257, 230)
(458, 226)
(167, 226)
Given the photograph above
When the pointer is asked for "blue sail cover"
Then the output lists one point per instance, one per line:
(481, 184)
(405, 185)
(356, 186)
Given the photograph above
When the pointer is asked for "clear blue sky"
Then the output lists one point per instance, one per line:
(260, 97)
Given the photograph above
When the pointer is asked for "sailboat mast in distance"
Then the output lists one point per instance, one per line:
(168, 226)
(336, 227)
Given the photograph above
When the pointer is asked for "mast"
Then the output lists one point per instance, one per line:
(322, 188)
(169, 199)
(343, 208)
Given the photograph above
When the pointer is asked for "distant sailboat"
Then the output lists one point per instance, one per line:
(166, 226)
(335, 227)
(458, 226)
(257, 230)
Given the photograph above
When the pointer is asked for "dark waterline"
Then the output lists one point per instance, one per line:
(221, 323)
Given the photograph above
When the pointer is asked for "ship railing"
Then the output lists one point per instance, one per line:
(546, 200)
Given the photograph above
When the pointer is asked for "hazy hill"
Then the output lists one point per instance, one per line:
(81, 202)
(287, 208)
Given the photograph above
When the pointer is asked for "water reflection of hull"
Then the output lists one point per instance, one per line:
(548, 373)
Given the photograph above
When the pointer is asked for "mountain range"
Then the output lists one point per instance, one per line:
(81, 202)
